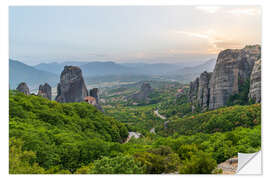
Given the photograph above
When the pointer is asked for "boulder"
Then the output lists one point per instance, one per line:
(71, 87)
(22, 87)
(45, 91)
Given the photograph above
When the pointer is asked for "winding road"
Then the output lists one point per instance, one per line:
(159, 115)
(137, 135)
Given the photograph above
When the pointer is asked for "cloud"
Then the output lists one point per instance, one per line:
(192, 34)
(214, 41)
(208, 9)
(245, 11)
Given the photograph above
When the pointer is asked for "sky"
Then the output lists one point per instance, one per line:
(152, 34)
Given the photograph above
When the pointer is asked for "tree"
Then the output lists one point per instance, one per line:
(22, 162)
(199, 163)
(121, 164)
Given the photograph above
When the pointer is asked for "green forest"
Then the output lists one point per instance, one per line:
(46, 137)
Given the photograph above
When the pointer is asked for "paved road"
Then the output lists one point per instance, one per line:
(136, 135)
(153, 130)
(159, 115)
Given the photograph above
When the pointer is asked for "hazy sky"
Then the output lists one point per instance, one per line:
(130, 33)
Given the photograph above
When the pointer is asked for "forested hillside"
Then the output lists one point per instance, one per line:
(64, 136)
(219, 120)
(49, 137)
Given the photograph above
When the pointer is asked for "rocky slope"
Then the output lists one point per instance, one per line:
(233, 68)
(71, 87)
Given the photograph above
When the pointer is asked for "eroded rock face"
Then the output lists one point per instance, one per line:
(204, 90)
(233, 68)
(95, 93)
(71, 87)
(255, 83)
(45, 91)
(199, 91)
(22, 87)
(193, 90)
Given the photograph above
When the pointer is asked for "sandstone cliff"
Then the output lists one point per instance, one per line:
(233, 68)
(45, 91)
(71, 87)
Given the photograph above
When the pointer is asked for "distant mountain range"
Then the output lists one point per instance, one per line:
(90, 69)
(20, 72)
(50, 72)
(188, 74)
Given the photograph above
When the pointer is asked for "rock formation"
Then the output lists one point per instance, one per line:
(193, 90)
(255, 83)
(233, 68)
(95, 93)
(204, 90)
(143, 94)
(22, 87)
(45, 91)
(199, 91)
(71, 87)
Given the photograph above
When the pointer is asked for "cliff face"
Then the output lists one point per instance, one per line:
(45, 91)
(204, 90)
(233, 68)
(71, 87)
(193, 91)
(255, 83)
(200, 90)
(95, 93)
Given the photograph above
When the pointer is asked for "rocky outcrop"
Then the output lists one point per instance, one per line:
(95, 93)
(193, 91)
(143, 94)
(71, 87)
(232, 69)
(204, 90)
(255, 83)
(45, 91)
(22, 87)
(199, 91)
